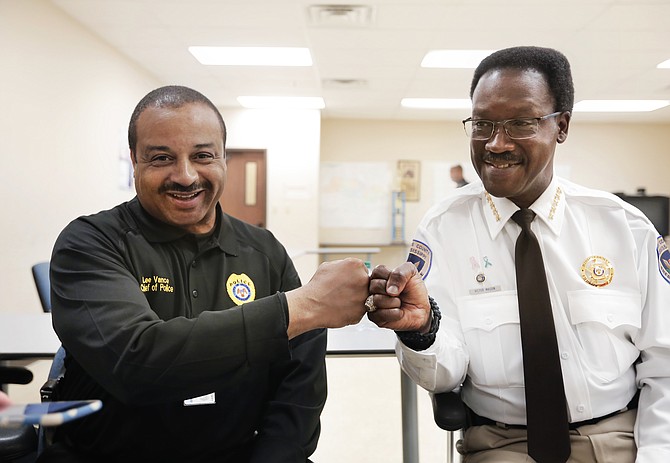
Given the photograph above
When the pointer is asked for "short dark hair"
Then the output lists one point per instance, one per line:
(552, 64)
(170, 96)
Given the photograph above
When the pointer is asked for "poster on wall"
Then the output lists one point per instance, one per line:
(409, 173)
(126, 180)
(355, 195)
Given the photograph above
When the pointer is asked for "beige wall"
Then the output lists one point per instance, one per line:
(611, 157)
(66, 99)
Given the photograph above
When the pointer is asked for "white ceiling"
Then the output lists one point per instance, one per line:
(613, 45)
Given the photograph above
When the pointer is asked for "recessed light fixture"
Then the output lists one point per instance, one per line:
(436, 103)
(619, 106)
(281, 102)
(664, 65)
(252, 56)
(454, 59)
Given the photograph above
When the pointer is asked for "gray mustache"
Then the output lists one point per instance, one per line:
(498, 157)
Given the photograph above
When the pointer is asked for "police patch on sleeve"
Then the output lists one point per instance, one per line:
(240, 288)
(663, 258)
(421, 256)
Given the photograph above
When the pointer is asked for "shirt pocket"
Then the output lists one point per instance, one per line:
(490, 326)
(606, 322)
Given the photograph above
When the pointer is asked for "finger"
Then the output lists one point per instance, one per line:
(380, 271)
(398, 278)
(356, 264)
(383, 301)
(377, 286)
(382, 317)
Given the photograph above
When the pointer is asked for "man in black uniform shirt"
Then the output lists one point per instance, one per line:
(190, 325)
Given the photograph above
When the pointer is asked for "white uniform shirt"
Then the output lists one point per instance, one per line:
(464, 247)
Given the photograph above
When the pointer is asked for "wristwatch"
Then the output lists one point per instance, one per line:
(418, 341)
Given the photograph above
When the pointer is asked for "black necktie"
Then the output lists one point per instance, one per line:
(546, 411)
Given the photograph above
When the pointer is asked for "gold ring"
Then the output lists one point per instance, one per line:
(369, 303)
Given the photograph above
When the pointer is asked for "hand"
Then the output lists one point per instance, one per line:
(333, 298)
(401, 299)
(5, 401)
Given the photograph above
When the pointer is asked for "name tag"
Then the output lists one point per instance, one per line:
(490, 289)
(207, 399)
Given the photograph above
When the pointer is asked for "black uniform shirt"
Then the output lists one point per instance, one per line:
(151, 316)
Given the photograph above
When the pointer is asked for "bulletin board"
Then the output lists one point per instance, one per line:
(355, 202)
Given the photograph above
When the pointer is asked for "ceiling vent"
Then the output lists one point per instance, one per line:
(344, 83)
(340, 15)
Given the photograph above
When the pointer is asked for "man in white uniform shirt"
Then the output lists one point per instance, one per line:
(607, 275)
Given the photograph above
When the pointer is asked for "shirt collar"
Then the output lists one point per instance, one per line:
(550, 207)
(223, 237)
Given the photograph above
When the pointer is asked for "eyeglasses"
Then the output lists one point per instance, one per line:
(517, 129)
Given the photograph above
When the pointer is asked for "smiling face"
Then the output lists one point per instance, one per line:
(180, 166)
(519, 170)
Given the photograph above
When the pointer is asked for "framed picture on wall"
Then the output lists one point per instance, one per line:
(409, 173)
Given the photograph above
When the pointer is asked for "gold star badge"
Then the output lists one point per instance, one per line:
(597, 271)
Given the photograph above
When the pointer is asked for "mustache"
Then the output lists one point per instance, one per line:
(176, 187)
(507, 156)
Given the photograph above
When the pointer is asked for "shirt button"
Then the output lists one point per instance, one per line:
(488, 320)
(194, 264)
(565, 355)
(195, 293)
(581, 408)
(610, 318)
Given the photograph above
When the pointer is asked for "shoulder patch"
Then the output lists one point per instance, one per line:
(421, 256)
(663, 258)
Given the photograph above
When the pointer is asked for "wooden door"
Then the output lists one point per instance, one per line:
(244, 196)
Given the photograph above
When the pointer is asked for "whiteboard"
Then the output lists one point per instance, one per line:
(355, 202)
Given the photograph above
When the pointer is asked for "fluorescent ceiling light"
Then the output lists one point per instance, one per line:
(252, 56)
(664, 65)
(454, 59)
(436, 103)
(281, 102)
(619, 106)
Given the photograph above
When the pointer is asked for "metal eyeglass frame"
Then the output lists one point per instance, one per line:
(503, 124)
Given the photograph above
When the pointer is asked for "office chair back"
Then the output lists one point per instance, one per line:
(41, 277)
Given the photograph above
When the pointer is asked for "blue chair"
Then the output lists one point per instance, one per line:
(41, 277)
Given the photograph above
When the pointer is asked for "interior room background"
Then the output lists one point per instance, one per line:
(66, 98)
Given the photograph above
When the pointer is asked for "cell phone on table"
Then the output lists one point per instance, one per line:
(47, 413)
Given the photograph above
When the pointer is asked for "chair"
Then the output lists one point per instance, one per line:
(23, 444)
(48, 394)
(450, 414)
(41, 277)
(17, 444)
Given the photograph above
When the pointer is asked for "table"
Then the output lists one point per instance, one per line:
(366, 339)
(26, 335)
(324, 251)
